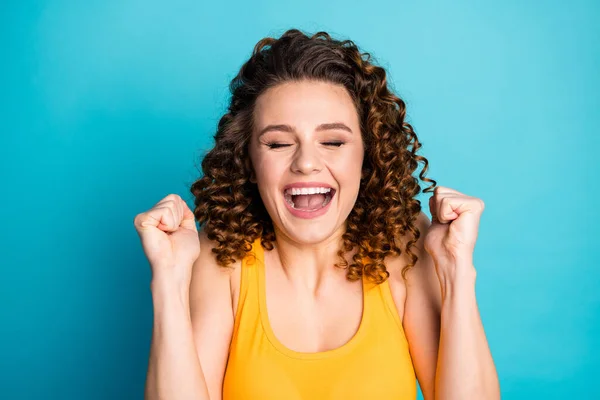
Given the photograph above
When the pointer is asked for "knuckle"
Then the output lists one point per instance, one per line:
(138, 220)
(168, 204)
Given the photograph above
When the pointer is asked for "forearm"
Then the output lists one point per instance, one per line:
(174, 370)
(465, 368)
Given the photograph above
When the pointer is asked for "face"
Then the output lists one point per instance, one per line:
(307, 153)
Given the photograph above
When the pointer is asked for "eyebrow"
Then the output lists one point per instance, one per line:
(290, 129)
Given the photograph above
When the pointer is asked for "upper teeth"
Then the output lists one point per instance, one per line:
(315, 190)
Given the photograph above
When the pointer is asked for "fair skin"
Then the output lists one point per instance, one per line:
(299, 270)
(311, 305)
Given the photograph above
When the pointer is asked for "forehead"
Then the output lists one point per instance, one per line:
(305, 103)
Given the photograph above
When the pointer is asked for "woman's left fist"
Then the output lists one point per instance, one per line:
(454, 226)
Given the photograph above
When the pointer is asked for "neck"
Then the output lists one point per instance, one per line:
(309, 266)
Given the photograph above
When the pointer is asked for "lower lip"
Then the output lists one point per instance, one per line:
(308, 214)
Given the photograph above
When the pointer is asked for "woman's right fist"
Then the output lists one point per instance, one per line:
(169, 237)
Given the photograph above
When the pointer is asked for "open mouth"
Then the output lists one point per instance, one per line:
(308, 199)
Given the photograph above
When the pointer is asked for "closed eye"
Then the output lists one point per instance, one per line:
(280, 145)
(276, 145)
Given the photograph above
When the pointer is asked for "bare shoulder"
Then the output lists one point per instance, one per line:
(419, 276)
(421, 279)
(207, 261)
(208, 277)
(211, 313)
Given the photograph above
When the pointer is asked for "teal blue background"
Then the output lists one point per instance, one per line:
(107, 106)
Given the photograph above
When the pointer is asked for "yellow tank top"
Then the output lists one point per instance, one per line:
(374, 364)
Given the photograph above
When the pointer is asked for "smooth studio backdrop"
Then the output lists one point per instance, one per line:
(107, 106)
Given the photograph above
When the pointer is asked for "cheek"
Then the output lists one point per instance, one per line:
(349, 168)
(269, 169)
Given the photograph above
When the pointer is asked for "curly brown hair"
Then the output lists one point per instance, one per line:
(228, 204)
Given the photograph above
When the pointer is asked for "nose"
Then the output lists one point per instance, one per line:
(306, 160)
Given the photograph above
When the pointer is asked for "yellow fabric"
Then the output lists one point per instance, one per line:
(374, 364)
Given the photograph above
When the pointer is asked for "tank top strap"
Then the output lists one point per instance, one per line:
(248, 296)
(386, 295)
(382, 294)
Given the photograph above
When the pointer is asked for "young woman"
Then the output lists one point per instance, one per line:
(315, 275)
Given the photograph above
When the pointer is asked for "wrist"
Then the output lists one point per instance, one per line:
(170, 285)
(458, 281)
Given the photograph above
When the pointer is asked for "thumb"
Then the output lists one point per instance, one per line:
(188, 221)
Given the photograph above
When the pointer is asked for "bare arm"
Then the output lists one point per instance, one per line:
(465, 367)
(211, 313)
(447, 342)
(174, 370)
(192, 331)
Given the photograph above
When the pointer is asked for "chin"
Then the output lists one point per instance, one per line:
(310, 236)
(307, 231)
